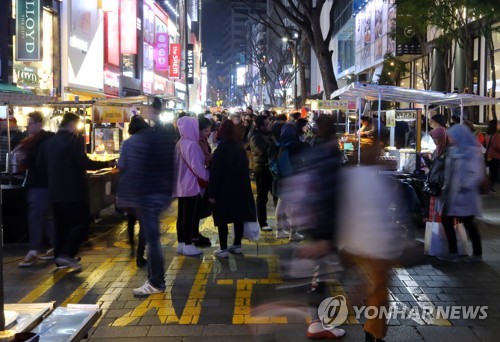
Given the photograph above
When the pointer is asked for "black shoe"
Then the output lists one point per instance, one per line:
(370, 338)
(141, 262)
(202, 241)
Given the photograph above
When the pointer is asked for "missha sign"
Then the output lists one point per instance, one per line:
(28, 33)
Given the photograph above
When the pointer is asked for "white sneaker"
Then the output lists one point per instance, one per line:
(282, 234)
(235, 249)
(29, 259)
(294, 236)
(180, 247)
(266, 229)
(191, 250)
(221, 253)
(316, 331)
(146, 289)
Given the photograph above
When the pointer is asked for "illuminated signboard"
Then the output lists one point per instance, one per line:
(128, 18)
(161, 51)
(175, 60)
(190, 64)
(113, 36)
(28, 34)
(111, 82)
(240, 76)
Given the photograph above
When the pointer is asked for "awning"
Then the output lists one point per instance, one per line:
(7, 88)
(123, 101)
(372, 92)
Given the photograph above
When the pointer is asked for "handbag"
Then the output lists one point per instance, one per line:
(204, 208)
(201, 182)
(431, 188)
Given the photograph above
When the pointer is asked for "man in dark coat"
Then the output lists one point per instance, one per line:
(63, 158)
(261, 142)
(40, 211)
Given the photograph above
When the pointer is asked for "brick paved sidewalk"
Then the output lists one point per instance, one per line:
(242, 298)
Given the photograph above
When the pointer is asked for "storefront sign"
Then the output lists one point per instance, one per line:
(190, 64)
(175, 60)
(161, 51)
(330, 105)
(111, 82)
(159, 85)
(108, 114)
(112, 52)
(28, 35)
(128, 18)
(27, 76)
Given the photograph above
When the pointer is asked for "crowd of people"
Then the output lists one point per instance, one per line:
(207, 164)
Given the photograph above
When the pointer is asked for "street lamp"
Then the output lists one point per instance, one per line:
(295, 43)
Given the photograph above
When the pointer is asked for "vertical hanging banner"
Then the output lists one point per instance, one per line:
(190, 64)
(28, 33)
(161, 51)
(128, 27)
(175, 60)
(112, 52)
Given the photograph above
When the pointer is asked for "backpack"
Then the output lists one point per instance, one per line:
(280, 163)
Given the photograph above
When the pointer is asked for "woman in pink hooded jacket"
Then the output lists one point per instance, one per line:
(190, 172)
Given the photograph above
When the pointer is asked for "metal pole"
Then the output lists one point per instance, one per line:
(295, 77)
(359, 130)
(186, 42)
(9, 147)
(461, 110)
(2, 316)
(379, 113)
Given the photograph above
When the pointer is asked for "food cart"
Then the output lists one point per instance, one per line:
(69, 323)
(359, 91)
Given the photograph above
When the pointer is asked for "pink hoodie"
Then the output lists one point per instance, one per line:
(189, 159)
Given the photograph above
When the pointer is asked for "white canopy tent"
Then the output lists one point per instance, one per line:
(372, 92)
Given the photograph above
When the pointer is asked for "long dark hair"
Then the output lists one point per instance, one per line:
(227, 131)
(492, 127)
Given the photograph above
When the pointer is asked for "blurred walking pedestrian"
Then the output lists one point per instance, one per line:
(40, 218)
(464, 171)
(191, 178)
(64, 159)
(151, 181)
(125, 198)
(229, 189)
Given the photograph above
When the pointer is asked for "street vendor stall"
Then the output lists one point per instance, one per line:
(358, 91)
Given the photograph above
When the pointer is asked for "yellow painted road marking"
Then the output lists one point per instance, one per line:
(47, 284)
(91, 280)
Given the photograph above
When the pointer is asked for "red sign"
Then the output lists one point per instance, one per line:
(112, 42)
(128, 27)
(175, 60)
(111, 82)
(161, 52)
(159, 85)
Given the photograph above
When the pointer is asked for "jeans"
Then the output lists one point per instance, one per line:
(150, 208)
(470, 227)
(224, 231)
(187, 219)
(71, 226)
(40, 218)
(264, 182)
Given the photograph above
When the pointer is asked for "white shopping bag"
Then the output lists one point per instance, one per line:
(251, 231)
(435, 242)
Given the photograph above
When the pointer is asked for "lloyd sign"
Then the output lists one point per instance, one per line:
(28, 35)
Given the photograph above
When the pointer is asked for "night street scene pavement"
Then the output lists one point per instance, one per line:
(244, 298)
